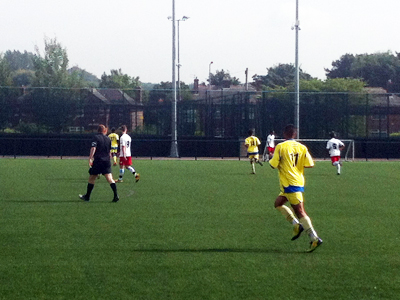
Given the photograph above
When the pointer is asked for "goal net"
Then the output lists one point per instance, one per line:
(317, 148)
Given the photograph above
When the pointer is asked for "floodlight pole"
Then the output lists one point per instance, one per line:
(184, 18)
(174, 134)
(297, 77)
(209, 75)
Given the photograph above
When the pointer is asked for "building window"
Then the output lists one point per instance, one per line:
(379, 117)
(378, 133)
(75, 129)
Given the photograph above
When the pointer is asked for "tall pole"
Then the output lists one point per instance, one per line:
(179, 66)
(297, 77)
(174, 134)
(209, 75)
(184, 18)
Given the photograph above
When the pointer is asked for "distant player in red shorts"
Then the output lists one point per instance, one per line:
(270, 146)
(335, 146)
(125, 157)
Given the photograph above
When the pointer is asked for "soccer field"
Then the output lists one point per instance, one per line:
(196, 230)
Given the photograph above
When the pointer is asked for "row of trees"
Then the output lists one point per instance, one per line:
(51, 70)
(349, 72)
(377, 70)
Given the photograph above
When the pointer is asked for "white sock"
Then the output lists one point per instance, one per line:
(131, 169)
(309, 228)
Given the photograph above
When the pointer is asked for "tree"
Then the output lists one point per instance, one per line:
(21, 66)
(88, 78)
(5, 72)
(161, 92)
(6, 92)
(377, 70)
(220, 77)
(341, 68)
(22, 77)
(51, 69)
(336, 85)
(20, 61)
(280, 76)
(56, 95)
(118, 80)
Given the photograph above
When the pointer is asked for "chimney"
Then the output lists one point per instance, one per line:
(226, 81)
(196, 86)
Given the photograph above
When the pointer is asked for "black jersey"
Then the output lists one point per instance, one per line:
(103, 147)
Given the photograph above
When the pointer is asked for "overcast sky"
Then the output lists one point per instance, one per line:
(136, 35)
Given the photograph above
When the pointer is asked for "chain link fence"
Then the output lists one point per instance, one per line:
(222, 116)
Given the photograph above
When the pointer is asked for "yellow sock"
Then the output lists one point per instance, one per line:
(308, 227)
(288, 214)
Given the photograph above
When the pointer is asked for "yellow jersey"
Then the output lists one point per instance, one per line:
(114, 139)
(291, 157)
(252, 142)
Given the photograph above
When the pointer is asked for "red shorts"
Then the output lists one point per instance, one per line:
(125, 161)
(270, 149)
(335, 158)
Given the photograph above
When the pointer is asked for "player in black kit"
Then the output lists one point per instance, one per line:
(99, 163)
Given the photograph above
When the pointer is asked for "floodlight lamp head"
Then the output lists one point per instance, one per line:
(169, 18)
(184, 18)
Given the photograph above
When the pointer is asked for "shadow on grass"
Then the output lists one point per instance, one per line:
(215, 250)
(59, 201)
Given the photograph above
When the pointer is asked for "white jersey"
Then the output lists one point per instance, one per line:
(333, 146)
(125, 140)
(271, 140)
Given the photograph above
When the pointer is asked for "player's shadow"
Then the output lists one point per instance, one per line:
(214, 250)
(55, 201)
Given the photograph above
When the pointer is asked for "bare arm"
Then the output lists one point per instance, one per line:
(91, 155)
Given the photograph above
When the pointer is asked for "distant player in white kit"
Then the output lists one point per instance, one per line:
(270, 146)
(125, 156)
(335, 146)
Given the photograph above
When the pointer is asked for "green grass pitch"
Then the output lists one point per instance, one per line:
(196, 230)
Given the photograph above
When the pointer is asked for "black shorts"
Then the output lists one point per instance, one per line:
(100, 167)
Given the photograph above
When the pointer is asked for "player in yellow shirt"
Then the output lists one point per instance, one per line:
(114, 145)
(252, 143)
(290, 158)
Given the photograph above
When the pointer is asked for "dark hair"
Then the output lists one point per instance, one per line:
(124, 128)
(101, 128)
(289, 131)
(251, 132)
(332, 134)
(113, 129)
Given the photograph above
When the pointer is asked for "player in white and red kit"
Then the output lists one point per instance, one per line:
(125, 157)
(335, 146)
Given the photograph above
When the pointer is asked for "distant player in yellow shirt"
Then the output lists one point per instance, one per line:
(290, 158)
(114, 145)
(252, 143)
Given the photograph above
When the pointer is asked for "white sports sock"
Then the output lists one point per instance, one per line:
(309, 228)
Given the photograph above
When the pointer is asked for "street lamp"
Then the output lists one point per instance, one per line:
(209, 75)
(184, 18)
